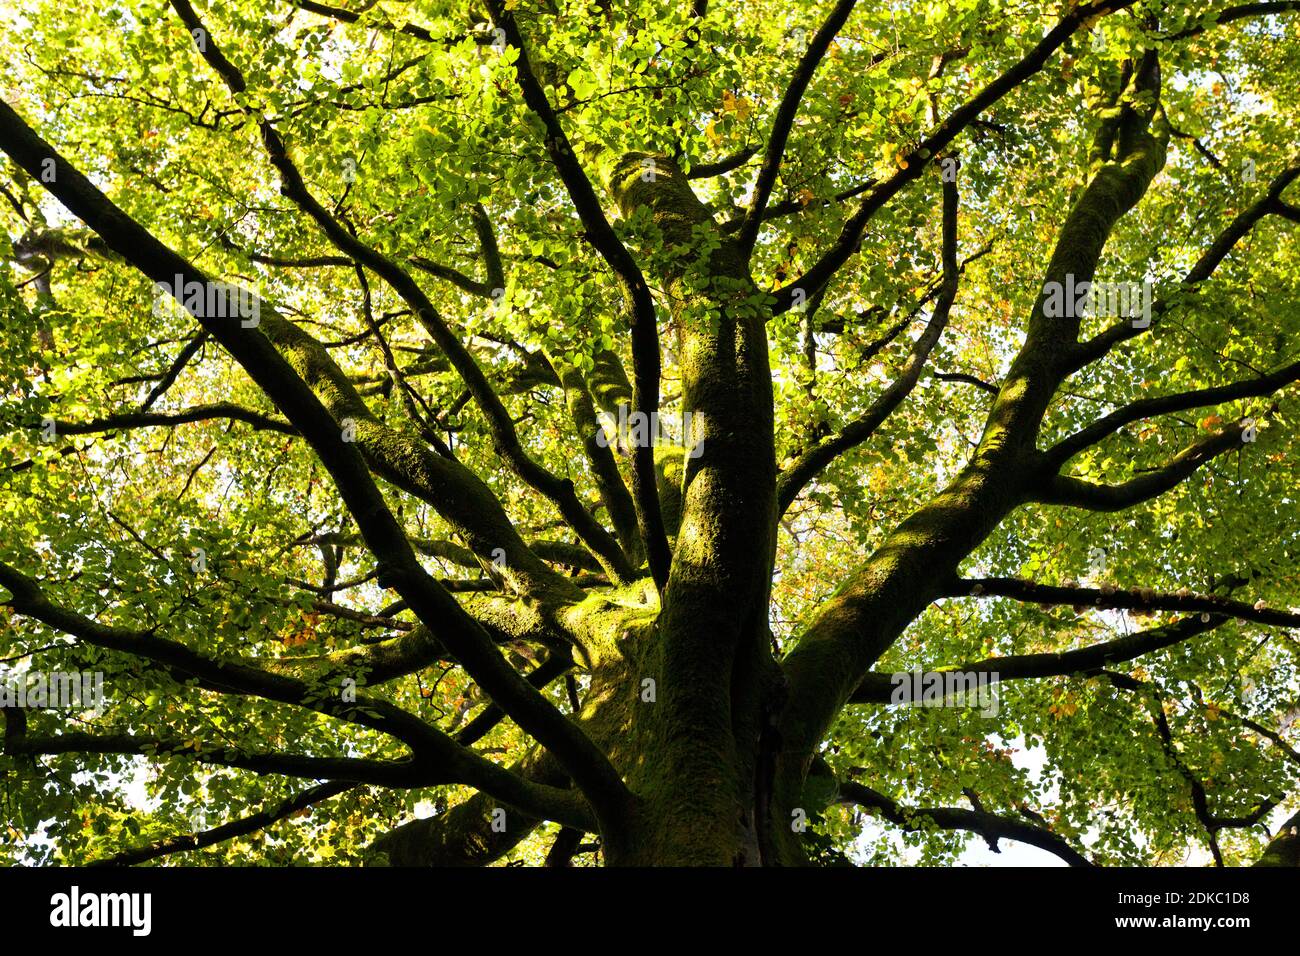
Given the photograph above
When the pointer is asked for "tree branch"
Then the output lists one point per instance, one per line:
(1096, 347)
(811, 463)
(227, 831)
(988, 825)
(1233, 14)
(645, 334)
(1284, 848)
(1076, 493)
(196, 413)
(589, 767)
(173, 372)
(723, 166)
(1068, 447)
(914, 163)
(878, 688)
(1132, 599)
(784, 122)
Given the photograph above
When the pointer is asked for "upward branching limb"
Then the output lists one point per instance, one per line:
(600, 456)
(641, 307)
(810, 463)
(1089, 351)
(876, 603)
(1058, 489)
(915, 162)
(784, 122)
(560, 491)
(433, 605)
(1145, 408)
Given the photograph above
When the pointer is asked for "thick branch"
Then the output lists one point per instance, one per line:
(1076, 493)
(1132, 599)
(589, 768)
(988, 825)
(1067, 448)
(1284, 848)
(879, 688)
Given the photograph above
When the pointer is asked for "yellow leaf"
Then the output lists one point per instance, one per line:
(736, 104)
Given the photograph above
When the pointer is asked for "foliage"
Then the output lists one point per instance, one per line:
(228, 534)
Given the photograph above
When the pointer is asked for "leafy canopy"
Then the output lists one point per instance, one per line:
(150, 485)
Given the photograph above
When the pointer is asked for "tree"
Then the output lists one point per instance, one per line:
(578, 422)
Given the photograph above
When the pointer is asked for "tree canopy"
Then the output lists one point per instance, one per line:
(541, 431)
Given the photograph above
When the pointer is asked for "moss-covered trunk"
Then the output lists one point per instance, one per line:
(695, 772)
